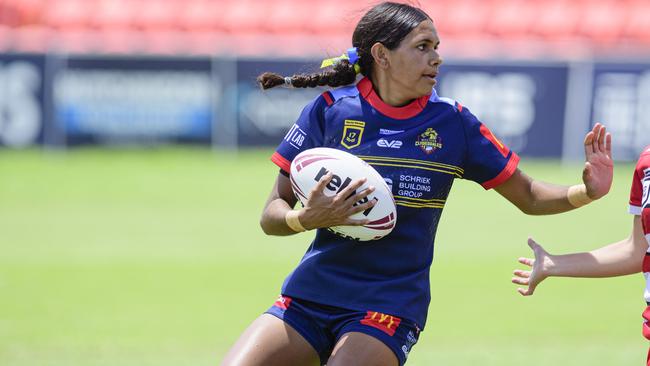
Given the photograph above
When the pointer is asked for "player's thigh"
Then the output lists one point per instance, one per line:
(359, 349)
(269, 341)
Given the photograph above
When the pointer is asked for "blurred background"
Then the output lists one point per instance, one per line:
(134, 164)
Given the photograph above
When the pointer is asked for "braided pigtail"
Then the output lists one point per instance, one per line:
(341, 73)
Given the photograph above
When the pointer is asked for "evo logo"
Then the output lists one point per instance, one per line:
(394, 144)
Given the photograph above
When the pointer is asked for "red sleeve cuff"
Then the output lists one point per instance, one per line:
(506, 173)
(280, 161)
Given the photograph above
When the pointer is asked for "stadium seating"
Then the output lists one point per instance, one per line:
(306, 27)
(637, 24)
(67, 15)
(601, 21)
(511, 18)
(111, 14)
(556, 19)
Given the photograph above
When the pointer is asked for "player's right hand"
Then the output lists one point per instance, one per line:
(322, 211)
(539, 269)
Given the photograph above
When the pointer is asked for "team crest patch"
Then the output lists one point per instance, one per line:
(352, 132)
(429, 141)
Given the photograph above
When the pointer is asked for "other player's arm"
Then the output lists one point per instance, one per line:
(320, 211)
(616, 259)
(535, 197)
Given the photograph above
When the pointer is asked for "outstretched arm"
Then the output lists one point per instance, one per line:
(535, 197)
(616, 259)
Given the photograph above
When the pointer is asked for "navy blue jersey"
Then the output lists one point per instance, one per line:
(419, 149)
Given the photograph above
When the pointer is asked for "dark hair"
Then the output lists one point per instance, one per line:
(387, 23)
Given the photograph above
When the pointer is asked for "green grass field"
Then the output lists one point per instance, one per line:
(155, 257)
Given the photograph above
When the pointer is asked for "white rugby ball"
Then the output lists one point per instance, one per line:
(308, 167)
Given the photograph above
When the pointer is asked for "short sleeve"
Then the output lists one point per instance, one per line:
(488, 161)
(640, 182)
(305, 134)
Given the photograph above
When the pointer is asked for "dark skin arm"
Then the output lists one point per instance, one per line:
(535, 197)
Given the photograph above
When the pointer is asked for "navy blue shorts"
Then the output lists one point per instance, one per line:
(322, 326)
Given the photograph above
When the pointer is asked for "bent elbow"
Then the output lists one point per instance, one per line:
(526, 210)
(264, 224)
(529, 209)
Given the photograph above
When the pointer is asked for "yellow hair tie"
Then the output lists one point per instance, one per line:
(351, 55)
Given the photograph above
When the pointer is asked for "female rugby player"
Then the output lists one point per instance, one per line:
(348, 303)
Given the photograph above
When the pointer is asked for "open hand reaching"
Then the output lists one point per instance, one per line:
(539, 269)
(599, 167)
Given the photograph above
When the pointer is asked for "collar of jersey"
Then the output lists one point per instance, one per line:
(408, 111)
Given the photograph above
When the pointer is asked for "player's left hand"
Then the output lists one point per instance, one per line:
(540, 267)
(599, 167)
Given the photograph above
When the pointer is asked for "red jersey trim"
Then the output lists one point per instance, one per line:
(328, 98)
(494, 140)
(280, 161)
(645, 266)
(646, 325)
(506, 173)
(408, 111)
(283, 302)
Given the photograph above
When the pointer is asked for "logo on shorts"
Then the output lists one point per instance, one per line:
(386, 323)
(282, 302)
(429, 141)
(410, 341)
(352, 132)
